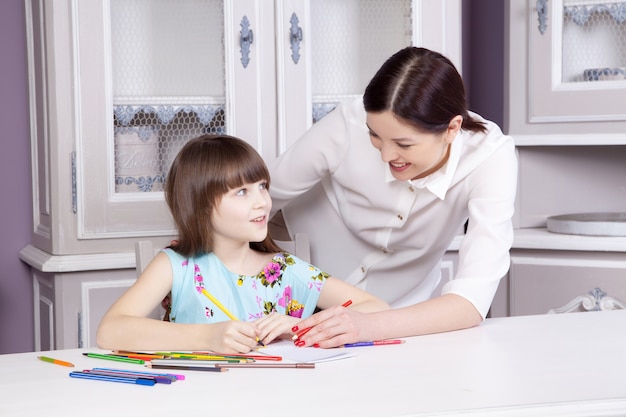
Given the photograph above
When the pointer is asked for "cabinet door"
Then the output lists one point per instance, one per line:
(572, 69)
(328, 50)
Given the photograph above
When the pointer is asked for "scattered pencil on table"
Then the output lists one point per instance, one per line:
(159, 379)
(173, 377)
(302, 332)
(300, 365)
(375, 343)
(55, 361)
(114, 378)
(212, 368)
(114, 358)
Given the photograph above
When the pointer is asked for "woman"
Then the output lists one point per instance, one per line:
(384, 183)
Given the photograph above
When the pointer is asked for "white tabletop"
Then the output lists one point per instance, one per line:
(549, 365)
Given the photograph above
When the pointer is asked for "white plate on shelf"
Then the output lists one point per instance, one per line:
(589, 224)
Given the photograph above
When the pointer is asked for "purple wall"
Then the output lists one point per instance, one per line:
(16, 293)
(483, 71)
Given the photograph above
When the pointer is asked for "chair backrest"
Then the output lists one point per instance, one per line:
(299, 246)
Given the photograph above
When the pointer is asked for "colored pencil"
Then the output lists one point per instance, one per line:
(224, 309)
(55, 361)
(136, 355)
(123, 379)
(305, 331)
(375, 343)
(188, 368)
(157, 378)
(205, 357)
(173, 377)
(218, 304)
(301, 365)
(114, 358)
(191, 362)
(248, 356)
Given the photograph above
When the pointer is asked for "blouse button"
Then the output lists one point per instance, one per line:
(411, 189)
(400, 217)
(363, 269)
(385, 250)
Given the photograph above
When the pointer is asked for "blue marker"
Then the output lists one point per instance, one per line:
(123, 379)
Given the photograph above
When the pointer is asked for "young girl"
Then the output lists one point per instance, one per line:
(230, 284)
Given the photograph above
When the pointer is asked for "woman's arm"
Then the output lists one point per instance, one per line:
(334, 327)
(127, 325)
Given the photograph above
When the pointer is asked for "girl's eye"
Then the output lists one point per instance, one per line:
(263, 186)
(243, 191)
(404, 146)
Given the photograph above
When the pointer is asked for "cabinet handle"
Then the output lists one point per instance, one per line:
(542, 15)
(295, 37)
(247, 37)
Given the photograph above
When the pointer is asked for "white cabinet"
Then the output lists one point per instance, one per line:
(568, 120)
(118, 86)
(566, 69)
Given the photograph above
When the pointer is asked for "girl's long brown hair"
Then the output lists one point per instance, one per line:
(203, 171)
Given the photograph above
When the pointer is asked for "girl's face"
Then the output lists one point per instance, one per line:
(410, 153)
(242, 213)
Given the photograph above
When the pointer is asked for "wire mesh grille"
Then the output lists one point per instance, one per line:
(350, 39)
(594, 41)
(168, 84)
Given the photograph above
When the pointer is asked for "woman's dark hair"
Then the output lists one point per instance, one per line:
(421, 87)
(203, 171)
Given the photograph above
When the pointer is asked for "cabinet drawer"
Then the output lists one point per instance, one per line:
(545, 281)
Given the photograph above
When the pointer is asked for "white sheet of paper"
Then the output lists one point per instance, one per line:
(289, 351)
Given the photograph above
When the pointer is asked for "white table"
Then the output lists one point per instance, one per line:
(551, 365)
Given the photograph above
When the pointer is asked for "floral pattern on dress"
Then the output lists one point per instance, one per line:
(269, 277)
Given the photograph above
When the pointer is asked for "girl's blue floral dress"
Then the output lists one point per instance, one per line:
(287, 285)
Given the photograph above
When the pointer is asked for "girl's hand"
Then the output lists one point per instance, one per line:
(233, 337)
(274, 326)
(332, 327)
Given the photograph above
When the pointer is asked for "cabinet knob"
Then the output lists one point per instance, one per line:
(247, 37)
(542, 15)
(295, 37)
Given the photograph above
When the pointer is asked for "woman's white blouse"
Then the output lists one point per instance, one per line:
(388, 236)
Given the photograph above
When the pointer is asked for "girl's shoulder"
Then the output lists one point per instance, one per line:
(177, 258)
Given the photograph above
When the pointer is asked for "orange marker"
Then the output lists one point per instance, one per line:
(55, 361)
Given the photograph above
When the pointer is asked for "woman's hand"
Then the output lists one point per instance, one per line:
(332, 327)
(274, 326)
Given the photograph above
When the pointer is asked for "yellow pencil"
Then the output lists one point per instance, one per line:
(224, 309)
(218, 304)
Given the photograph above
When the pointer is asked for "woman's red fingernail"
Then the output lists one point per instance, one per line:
(299, 343)
(294, 329)
(316, 345)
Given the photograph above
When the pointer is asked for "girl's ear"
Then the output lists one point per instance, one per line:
(453, 128)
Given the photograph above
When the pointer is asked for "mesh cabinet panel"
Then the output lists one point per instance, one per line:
(350, 39)
(168, 83)
(594, 40)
